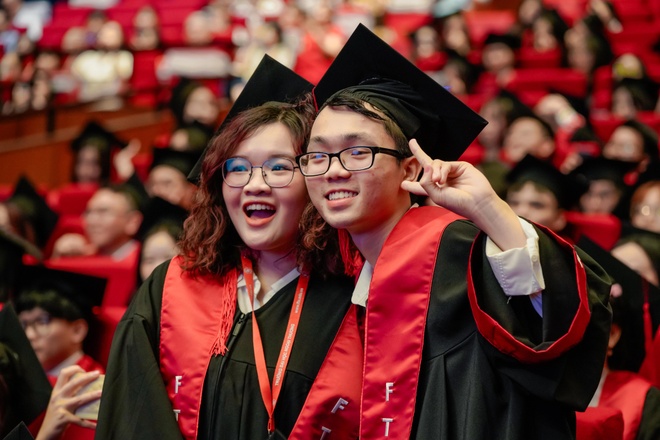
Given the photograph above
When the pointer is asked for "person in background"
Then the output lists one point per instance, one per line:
(110, 221)
(540, 193)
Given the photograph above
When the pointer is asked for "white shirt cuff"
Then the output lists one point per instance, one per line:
(519, 270)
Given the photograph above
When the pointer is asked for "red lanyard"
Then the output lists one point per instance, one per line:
(269, 395)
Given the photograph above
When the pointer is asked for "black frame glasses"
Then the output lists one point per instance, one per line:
(274, 177)
(344, 157)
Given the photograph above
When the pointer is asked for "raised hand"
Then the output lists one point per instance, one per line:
(461, 188)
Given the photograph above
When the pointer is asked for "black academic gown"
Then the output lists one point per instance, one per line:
(135, 404)
(470, 390)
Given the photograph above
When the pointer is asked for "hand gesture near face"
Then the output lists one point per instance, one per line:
(457, 186)
(461, 188)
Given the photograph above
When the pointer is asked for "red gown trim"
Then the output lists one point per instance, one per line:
(504, 341)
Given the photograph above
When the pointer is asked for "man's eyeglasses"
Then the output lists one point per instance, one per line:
(40, 325)
(277, 172)
(352, 159)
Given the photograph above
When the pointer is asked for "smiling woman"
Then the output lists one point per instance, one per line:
(253, 248)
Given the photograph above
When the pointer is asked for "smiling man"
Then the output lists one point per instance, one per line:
(464, 337)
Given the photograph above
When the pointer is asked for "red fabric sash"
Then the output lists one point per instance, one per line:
(189, 327)
(626, 391)
(396, 320)
(332, 408)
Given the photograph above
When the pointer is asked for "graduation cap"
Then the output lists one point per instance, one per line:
(20, 432)
(600, 168)
(376, 73)
(160, 212)
(183, 161)
(271, 81)
(511, 41)
(566, 189)
(630, 350)
(35, 210)
(96, 135)
(82, 293)
(29, 388)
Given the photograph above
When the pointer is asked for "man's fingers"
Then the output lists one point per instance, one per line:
(419, 154)
(413, 187)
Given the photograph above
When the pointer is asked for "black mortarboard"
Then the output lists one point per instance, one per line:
(12, 248)
(85, 292)
(649, 136)
(20, 432)
(600, 168)
(271, 81)
(183, 161)
(98, 136)
(29, 388)
(564, 187)
(629, 352)
(376, 73)
(511, 41)
(161, 212)
(35, 210)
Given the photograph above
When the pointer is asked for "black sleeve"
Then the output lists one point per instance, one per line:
(539, 358)
(134, 404)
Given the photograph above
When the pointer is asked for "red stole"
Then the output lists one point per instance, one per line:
(626, 391)
(190, 322)
(396, 320)
(189, 327)
(332, 407)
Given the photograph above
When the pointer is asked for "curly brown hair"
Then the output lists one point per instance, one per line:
(210, 244)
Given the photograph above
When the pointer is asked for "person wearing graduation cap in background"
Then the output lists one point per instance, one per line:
(498, 58)
(168, 176)
(458, 343)
(635, 306)
(111, 219)
(634, 142)
(605, 179)
(27, 215)
(645, 200)
(55, 309)
(187, 360)
(541, 194)
(93, 149)
(159, 234)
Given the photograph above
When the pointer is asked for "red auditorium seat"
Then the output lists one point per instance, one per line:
(602, 229)
(71, 199)
(567, 81)
(604, 126)
(599, 423)
(5, 192)
(481, 23)
(145, 88)
(121, 275)
(528, 58)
